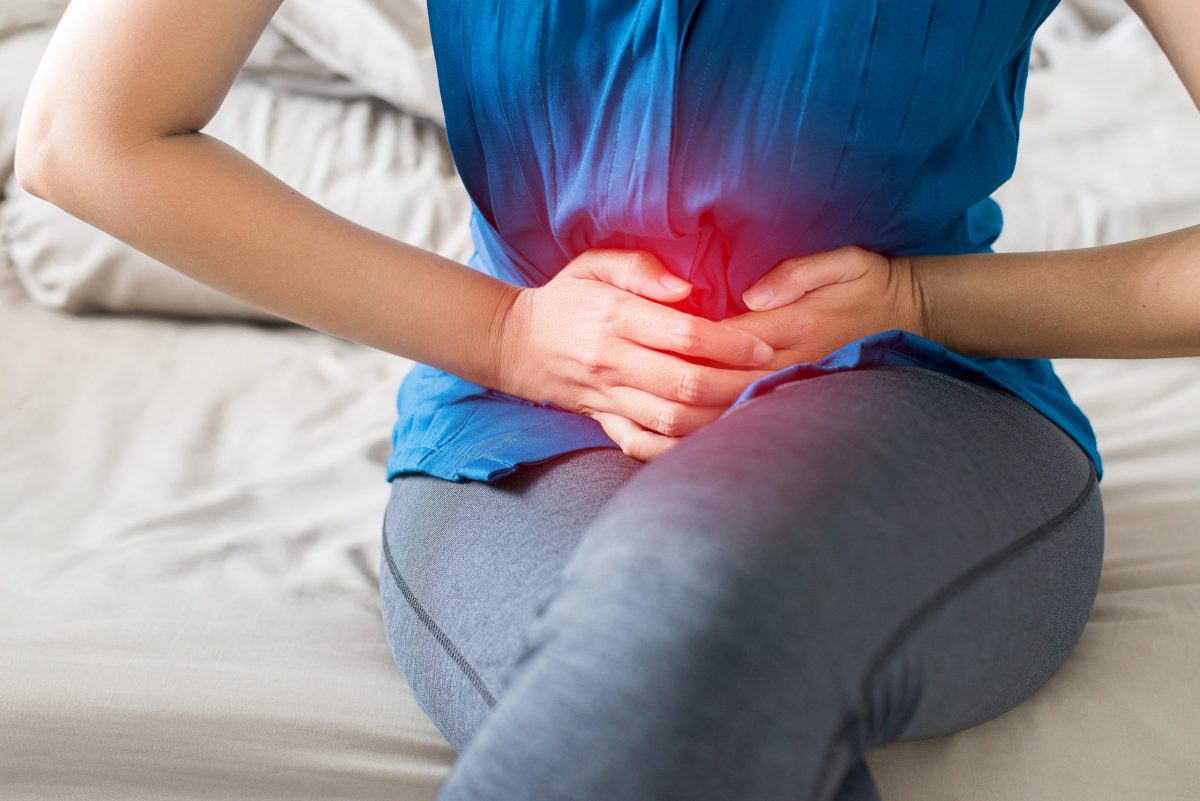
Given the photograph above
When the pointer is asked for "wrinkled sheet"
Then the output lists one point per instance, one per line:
(188, 592)
(190, 520)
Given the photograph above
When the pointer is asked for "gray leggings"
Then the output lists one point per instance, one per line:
(849, 560)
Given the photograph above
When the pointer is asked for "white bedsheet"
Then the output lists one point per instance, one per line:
(188, 587)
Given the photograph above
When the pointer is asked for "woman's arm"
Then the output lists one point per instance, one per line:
(111, 133)
(1137, 299)
(1175, 25)
(1130, 300)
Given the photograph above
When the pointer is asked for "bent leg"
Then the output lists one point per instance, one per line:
(848, 560)
(463, 565)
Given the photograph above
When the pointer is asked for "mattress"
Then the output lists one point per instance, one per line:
(188, 593)
(190, 520)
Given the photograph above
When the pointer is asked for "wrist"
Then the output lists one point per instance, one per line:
(911, 304)
(506, 331)
(923, 282)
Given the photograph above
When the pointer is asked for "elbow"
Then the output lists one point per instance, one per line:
(57, 157)
(68, 161)
(29, 168)
(32, 171)
(36, 166)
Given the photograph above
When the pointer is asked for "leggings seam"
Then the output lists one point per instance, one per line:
(979, 569)
(434, 629)
(928, 607)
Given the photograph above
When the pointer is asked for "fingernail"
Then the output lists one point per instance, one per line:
(758, 297)
(674, 283)
(763, 353)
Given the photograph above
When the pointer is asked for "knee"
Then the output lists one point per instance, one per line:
(707, 602)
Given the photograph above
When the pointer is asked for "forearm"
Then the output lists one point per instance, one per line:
(206, 210)
(1137, 299)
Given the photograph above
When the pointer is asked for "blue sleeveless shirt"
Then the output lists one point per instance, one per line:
(722, 136)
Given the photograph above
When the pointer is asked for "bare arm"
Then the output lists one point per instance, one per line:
(1129, 300)
(1175, 24)
(110, 134)
(1137, 299)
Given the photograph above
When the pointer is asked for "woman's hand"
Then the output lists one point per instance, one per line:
(807, 307)
(596, 340)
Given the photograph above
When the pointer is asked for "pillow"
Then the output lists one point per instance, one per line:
(383, 46)
(360, 158)
(1134, 110)
(276, 61)
(18, 14)
(1095, 30)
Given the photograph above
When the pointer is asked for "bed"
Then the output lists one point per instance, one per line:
(191, 492)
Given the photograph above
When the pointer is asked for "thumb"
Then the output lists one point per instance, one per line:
(791, 279)
(634, 271)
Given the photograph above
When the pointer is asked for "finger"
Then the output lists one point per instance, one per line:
(633, 440)
(789, 280)
(667, 329)
(634, 271)
(667, 417)
(759, 323)
(673, 378)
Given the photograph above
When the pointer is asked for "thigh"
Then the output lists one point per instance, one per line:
(933, 544)
(465, 565)
(847, 560)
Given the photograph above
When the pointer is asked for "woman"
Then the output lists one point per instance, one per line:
(737, 453)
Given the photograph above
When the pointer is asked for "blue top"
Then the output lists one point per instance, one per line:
(723, 136)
